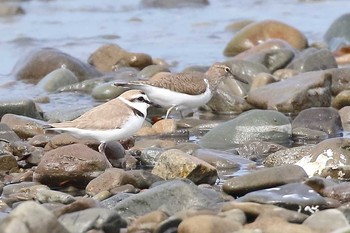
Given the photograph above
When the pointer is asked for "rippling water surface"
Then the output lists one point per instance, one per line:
(186, 36)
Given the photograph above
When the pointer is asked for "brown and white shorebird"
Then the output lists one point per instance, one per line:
(116, 119)
(183, 90)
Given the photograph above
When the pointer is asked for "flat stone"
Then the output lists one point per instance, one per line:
(183, 196)
(19, 106)
(294, 196)
(309, 89)
(264, 178)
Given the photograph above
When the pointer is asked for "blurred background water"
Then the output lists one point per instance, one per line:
(181, 36)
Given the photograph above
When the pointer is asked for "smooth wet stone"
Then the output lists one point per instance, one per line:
(19, 106)
(109, 179)
(268, 224)
(312, 59)
(112, 201)
(340, 192)
(149, 71)
(310, 89)
(340, 79)
(345, 117)
(8, 134)
(40, 62)
(245, 70)
(110, 57)
(174, 164)
(294, 196)
(257, 150)
(10, 10)
(183, 196)
(148, 222)
(325, 221)
(106, 91)
(267, 125)
(115, 153)
(337, 35)
(287, 156)
(272, 59)
(258, 32)
(56, 79)
(174, 3)
(24, 127)
(329, 158)
(74, 165)
(341, 100)
(264, 178)
(143, 178)
(254, 210)
(319, 118)
(94, 218)
(208, 224)
(29, 216)
(8, 162)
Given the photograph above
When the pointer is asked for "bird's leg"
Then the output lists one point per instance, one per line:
(169, 110)
(101, 149)
(181, 115)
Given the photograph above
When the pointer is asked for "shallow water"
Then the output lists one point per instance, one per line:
(182, 37)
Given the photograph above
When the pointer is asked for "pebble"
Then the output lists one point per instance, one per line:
(24, 127)
(174, 164)
(19, 106)
(56, 79)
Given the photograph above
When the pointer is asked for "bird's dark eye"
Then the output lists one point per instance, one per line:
(141, 99)
(228, 70)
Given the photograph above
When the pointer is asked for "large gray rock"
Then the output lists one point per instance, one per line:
(30, 217)
(310, 89)
(326, 221)
(92, 219)
(171, 196)
(267, 125)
